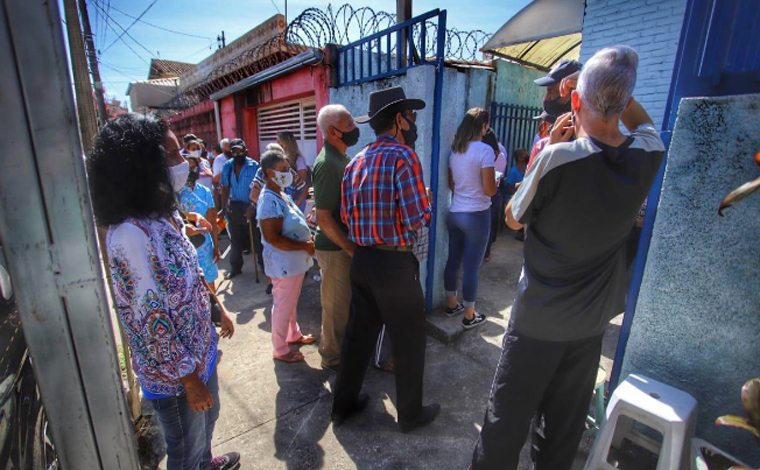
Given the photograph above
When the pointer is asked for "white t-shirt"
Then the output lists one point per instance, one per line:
(219, 162)
(301, 163)
(467, 169)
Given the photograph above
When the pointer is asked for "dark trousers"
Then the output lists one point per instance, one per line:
(238, 233)
(496, 217)
(385, 289)
(553, 381)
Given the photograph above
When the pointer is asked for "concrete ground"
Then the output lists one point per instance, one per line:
(278, 415)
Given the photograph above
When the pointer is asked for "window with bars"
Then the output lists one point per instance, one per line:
(298, 117)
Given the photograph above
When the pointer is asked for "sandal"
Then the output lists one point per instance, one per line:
(291, 357)
(304, 339)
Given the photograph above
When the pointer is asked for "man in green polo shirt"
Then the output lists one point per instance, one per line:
(334, 249)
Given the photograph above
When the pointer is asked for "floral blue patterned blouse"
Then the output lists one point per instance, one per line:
(279, 263)
(162, 304)
(201, 200)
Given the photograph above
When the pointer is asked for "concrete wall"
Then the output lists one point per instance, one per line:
(697, 319)
(514, 84)
(653, 28)
(419, 82)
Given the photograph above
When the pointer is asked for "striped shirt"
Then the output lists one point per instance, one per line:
(240, 186)
(383, 197)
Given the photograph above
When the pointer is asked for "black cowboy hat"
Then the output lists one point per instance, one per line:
(382, 100)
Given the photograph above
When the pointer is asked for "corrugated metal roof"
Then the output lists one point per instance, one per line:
(160, 68)
(541, 34)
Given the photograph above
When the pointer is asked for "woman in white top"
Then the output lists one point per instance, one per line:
(472, 180)
(289, 145)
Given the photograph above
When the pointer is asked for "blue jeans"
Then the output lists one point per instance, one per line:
(188, 433)
(468, 238)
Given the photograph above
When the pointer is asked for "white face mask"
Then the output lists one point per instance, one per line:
(282, 179)
(179, 175)
(195, 153)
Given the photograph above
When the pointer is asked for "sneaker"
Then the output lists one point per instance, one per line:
(477, 319)
(450, 312)
(429, 413)
(228, 461)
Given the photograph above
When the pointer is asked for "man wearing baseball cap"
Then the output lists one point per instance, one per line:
(555, 102)
(383, 203)
(237, 176)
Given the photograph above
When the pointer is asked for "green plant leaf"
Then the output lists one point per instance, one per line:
(751, 400)
(738, 422)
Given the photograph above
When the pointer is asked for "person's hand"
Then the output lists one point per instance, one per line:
(351, 249)
(250, 213)
(569, 84)
(310, 248)
(563, 129)
(203, 225)
(517, 186)
(197, 393)
(228, 328)
(191, 230)
(217, 254)
(223, 213)
(429, 194)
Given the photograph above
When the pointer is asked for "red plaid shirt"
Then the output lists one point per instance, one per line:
(383, 199)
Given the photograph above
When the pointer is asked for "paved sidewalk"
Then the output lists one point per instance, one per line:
(278, 415)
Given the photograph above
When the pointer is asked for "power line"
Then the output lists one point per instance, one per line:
(161, 27)
(133, 23)
(118, 71)
(275, 5)
(196, 52)
(109, 19)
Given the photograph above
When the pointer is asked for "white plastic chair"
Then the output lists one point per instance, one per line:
(663, 408)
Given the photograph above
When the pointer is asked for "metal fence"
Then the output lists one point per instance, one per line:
(514, 125)
(394, 50)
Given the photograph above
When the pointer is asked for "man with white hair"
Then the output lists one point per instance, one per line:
(334, 249)
(216, 169)
(577, 203)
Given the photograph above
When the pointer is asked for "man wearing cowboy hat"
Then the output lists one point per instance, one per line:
(383, 203)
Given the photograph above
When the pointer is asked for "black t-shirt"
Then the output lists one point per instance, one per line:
(579, 201)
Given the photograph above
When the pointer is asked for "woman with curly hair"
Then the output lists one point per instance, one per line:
(135, 170)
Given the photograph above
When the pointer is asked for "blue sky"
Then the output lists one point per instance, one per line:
(120, 65)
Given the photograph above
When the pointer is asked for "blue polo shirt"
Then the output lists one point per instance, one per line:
(240, 186)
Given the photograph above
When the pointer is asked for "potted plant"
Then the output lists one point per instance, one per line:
(704, 455)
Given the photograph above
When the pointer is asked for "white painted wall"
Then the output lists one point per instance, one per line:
(653, 28)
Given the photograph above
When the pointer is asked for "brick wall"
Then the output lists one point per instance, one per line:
(653, 28)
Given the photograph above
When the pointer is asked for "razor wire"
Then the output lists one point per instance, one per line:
(315, 28)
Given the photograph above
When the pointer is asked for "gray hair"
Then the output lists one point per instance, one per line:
(607, 81)
(270, 159)
(330, 116)
(224, 142)
(276, 147)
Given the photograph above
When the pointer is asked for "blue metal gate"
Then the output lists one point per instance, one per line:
(514, 125)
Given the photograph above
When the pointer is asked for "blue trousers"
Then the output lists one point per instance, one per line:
(188, 433)
(468, 239)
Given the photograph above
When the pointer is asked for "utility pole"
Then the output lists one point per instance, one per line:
(403, 13)
(92, 56)
(88, 125)
(220, 41)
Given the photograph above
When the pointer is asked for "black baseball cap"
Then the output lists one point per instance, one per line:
(237, 143)
(546, 117)
(563, 69)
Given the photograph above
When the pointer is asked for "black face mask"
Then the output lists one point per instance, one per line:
(349, 138)
(239, 158)
(410, 136)
(192, 177)
(555, 108)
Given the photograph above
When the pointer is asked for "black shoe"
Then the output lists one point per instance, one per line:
(361, 403)
(269, 289)
(429, 413)
(229, 461)
(450, 312)
(477, 320)
(232, 274)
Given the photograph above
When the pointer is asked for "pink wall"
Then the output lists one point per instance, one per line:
(229, 122)
(308, 81)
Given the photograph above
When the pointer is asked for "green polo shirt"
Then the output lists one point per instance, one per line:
(327, 178)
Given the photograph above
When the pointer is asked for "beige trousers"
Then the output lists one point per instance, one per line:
(336, 300)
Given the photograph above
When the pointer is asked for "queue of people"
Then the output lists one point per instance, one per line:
(574, 197)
